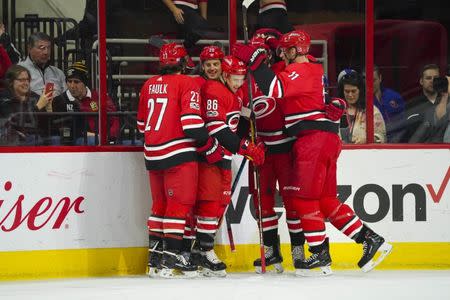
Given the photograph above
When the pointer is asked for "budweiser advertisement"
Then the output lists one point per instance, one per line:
(73, 201)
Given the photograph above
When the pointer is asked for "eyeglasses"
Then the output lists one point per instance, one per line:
(42, 47)
(23, 79)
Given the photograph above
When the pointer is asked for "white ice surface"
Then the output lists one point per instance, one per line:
(348, 285)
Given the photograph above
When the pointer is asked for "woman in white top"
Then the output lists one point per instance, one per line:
(351, 88)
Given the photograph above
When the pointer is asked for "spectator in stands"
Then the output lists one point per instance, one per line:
(191, 16)
(37, 62)
(351, 88)
(446, 138)
(441, 118)
(390, 104)
(422, 105)
(273, 14)
(5, 41)
(79, 98)
(18, 106)
(435, 124)
(428, 96)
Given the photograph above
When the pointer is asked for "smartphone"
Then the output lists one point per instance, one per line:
(49, 87)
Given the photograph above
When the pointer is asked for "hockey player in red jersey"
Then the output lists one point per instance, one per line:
(313, 184)
(221, 113)
(169, 115)
(211, 61)
(269, 125)
(210, 64)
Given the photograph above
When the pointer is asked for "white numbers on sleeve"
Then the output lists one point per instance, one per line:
(212, 104)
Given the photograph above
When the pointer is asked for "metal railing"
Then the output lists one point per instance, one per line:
(124, 60)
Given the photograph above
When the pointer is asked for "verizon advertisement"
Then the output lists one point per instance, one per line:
(402, 194)
(102, 200)
(73, 201)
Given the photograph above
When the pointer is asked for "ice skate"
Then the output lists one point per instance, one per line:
(154, 260)
(373, 244)
(318, 264)
(210, 265)
(177, 265)
(273, 260)
(298, 254)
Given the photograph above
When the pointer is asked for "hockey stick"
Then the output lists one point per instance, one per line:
(253, 136)
(233, 188)
(246, 4)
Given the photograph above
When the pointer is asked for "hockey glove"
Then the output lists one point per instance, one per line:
(250, 55)
(335, 109)
(272, 42)
(211, 150)
(253, 152)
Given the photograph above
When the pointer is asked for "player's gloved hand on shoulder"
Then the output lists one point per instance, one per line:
(249, 54)
(211, 150)
(335, 109)
(253, 152)
(272, 42)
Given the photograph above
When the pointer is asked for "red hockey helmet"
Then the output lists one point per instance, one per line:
(298, 39)
(259, 42)
(233, 66)
(171, 54)
(211, 52)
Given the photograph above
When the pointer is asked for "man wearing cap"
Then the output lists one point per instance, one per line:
(79, 98)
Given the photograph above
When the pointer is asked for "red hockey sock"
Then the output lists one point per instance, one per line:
(312, 220)
(341, 216)
(293, 223)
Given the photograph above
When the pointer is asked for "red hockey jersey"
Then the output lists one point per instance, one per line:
(221, 110)
(168, 105)
(301, 93)
(269, 119)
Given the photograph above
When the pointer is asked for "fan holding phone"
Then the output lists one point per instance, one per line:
(48, 92)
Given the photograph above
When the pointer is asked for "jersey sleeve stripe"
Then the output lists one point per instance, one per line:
(167, 145)
(170, 154)
(140, 126)
(275, 89)
(281, 141)
(191, 117)
(214, 123)
(304, 115)
(216, 130)
(192, 126)
(272, 133)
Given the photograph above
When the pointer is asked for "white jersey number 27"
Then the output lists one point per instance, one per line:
(151, 106)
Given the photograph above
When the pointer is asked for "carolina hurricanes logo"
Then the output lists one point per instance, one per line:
(233, 121)
(263, 106)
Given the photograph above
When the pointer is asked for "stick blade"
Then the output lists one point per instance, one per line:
(156, 41)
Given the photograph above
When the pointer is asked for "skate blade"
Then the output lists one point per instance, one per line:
(316, 272)
(153, 272)
(174, 273)
(384, 251)
(210, 273)
(275, 268)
